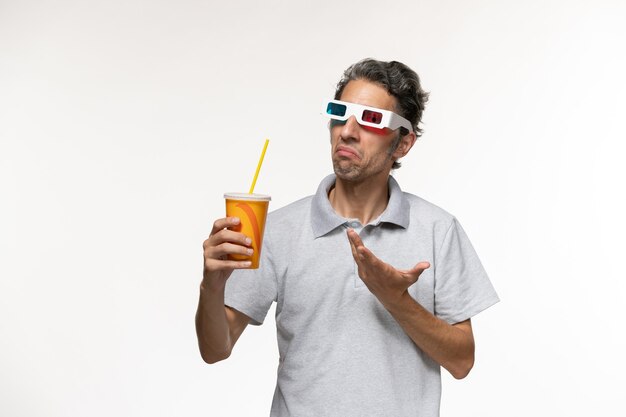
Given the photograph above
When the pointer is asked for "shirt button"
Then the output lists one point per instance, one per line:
(354, 224)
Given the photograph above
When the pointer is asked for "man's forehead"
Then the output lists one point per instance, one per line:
(368, 93)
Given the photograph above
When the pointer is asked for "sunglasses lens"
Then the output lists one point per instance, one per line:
(372, 116)
(336, 109)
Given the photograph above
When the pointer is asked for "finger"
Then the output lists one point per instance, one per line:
(230, 236)
(355, 238)
(219, 264)
(223, 223)
(226, 248)
(360, 251)
(423, 265)
(355, 255)
(357, 245)
(417, 270)
(352, 247)
(368, 257)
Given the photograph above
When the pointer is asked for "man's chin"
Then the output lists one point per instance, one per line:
(346, 172)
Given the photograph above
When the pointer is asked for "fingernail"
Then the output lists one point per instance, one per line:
(247, 263)
(249, 251)
(248, 241)
(235, 220)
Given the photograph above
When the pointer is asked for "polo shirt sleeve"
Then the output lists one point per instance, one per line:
(251, 291)
(462, 287)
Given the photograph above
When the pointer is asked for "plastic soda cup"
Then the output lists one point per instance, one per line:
(251, 209)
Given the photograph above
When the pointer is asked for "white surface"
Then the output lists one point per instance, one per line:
(122, 123)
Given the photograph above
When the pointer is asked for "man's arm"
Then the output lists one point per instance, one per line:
(451, 346)
(218, 327)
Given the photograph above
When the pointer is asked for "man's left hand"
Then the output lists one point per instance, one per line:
(387, 283)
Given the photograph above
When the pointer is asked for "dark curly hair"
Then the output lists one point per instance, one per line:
(400, 82)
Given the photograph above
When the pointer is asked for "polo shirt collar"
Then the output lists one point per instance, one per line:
(324, 218)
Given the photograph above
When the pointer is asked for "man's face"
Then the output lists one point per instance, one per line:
(360, 152)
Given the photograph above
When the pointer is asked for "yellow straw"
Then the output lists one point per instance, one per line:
(258, 167)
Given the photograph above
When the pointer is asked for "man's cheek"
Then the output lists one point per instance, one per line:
(334, 123)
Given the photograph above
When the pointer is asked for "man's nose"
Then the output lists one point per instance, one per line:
(350, 129)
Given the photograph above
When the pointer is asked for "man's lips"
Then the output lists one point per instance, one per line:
(347, 151)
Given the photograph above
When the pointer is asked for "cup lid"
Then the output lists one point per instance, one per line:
(247, 196)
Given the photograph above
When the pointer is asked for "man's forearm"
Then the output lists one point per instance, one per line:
(451, 346)
(212, 326)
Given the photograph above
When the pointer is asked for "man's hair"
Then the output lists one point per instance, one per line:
(400, 82)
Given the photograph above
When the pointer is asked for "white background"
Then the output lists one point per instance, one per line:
(123, 122)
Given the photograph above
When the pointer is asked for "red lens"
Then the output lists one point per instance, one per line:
(372, 116)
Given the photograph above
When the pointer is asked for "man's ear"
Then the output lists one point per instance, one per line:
(406, 143)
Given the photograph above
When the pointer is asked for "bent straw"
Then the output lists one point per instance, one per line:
(258, 167)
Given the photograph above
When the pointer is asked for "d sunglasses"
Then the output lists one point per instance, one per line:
(365, 115)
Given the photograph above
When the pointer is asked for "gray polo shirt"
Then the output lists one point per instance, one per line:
(341, 352)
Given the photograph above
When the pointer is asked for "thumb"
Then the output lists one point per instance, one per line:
(415, 272)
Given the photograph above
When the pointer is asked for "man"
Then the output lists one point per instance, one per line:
(375, 288)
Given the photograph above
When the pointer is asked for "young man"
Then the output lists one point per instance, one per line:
(375, 288)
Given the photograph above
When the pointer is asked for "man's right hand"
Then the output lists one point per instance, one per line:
(218, 326)
(223, 242)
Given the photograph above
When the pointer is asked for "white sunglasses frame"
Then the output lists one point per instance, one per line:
(390, 119)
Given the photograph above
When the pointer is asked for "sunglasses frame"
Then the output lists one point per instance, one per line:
(389, 120)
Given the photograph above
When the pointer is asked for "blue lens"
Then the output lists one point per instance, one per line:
(336, 109)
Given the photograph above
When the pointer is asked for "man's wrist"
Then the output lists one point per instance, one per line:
(212, 285)
(399, 304)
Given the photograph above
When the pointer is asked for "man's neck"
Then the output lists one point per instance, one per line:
(360, 200)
